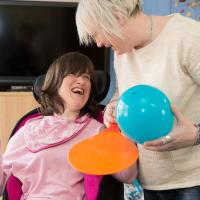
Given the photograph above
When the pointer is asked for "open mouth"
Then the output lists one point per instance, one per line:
(79, 91)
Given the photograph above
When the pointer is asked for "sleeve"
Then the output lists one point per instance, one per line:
(9, 157)
(128, 175)
(5, 168)
(192, 56)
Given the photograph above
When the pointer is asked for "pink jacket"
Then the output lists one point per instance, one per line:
(30, 158)
(44, 171)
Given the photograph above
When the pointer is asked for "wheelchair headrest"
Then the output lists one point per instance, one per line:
(103, 84)
(37, 85)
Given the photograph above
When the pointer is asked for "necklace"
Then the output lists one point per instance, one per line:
(151, 27)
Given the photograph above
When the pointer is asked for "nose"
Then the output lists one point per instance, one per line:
(80, 80)
(99, 44)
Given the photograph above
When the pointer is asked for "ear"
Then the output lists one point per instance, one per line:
(120, 18)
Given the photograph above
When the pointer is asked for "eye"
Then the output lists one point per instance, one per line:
(71, 75)
(86, 76)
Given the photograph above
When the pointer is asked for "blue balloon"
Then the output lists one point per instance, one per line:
(143, 113)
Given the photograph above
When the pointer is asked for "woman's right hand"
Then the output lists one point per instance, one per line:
(109, 113)
(183, 135)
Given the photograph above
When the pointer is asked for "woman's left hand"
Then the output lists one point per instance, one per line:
(184, 134)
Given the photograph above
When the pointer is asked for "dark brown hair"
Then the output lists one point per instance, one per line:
(69, 63)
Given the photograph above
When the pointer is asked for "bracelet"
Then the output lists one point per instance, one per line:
(198, 134)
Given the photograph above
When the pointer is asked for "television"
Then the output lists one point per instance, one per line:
(33, 34)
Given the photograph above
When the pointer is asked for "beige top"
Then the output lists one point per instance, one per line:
(171, 63)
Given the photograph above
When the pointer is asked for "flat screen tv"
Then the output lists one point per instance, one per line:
(33, 34)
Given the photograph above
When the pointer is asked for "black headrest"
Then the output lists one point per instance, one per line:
(37, 85)
(103, 84)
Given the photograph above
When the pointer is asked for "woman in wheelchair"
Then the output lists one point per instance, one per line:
(37, 154)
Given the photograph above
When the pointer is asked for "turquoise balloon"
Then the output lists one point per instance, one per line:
(143, 113)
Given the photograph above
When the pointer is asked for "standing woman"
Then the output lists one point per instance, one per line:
(162, 51)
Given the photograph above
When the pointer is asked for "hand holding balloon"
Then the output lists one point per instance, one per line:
(143, 113)
(183, 135)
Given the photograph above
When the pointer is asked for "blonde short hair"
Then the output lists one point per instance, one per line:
(101, 14)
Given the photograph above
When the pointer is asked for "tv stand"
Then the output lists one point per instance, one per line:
(13, 105)
(20, 88)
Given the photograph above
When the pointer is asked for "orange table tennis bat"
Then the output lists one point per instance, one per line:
(105, 153)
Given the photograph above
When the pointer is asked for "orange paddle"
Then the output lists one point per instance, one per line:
(105, 153)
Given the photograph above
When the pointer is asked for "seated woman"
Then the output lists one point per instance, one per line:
(37, 153)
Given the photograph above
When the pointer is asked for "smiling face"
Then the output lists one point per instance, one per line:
(103, 22)
(75, 91)
(69, 87)
(123, 43)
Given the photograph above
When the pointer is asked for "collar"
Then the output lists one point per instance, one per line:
(49, 131)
